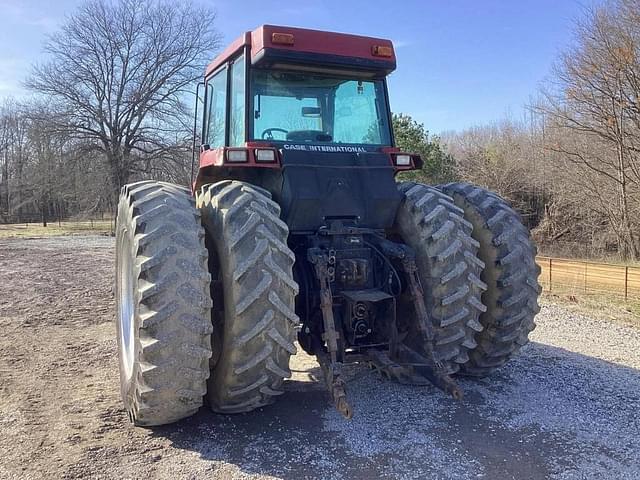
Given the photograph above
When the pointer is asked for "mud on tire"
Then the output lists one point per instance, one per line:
(162, 285)
(510, 272)
(449, 270)
(254, 293)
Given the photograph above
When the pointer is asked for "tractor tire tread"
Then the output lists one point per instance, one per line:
(255, 263)
(430, 223)
(171, 284)
(510, 272)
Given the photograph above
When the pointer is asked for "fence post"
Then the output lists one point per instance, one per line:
(626, 282)
(550, 259)
(585, 276)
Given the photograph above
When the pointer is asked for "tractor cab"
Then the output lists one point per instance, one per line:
(305, 114)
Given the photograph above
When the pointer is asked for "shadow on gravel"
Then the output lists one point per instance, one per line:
(547, 412)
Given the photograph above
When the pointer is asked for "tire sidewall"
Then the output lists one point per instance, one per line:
(224, 274)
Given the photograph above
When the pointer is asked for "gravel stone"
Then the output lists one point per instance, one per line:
(565, 408)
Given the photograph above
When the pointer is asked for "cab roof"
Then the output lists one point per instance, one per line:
(271, 45)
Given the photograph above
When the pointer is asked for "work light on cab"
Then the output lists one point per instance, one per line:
(282, 38)
(402, 160)
(237, 155)
(265, 155)
(382, 51)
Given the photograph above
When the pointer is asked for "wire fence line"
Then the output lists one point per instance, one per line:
(579, 276)
(590, 250)
(58, 227)
(35, 218)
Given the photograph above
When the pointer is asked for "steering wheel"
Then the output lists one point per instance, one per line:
(267, 134)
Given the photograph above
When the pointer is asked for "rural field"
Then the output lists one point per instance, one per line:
(566, 408)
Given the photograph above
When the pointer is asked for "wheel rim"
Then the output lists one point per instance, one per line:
(125, 304)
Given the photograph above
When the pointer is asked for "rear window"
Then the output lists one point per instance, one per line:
(311, 108)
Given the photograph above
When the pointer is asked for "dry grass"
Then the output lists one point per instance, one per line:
(33, 230)
(607, 306)
(604, 306)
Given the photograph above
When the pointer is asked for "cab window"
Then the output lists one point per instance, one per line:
(216, 109)
(236, 115)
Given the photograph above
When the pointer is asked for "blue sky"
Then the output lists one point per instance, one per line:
(460, 62)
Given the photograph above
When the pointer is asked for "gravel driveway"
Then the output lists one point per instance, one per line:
(568, 407)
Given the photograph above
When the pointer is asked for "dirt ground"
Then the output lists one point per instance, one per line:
(566, 408)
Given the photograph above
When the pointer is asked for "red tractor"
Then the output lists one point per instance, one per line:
(296, 229)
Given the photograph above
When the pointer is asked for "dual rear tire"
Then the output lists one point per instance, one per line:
(510, 273)
(477, 266)
(175, 343)
(162, 291)
(254, 292)
(449, 271)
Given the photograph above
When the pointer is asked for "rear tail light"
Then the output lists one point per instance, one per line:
(402, 160)
(265, 155)
(282, 38)
(381, 51)
(237, 156)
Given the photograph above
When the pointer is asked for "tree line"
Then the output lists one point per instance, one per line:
(571, 165)
(113, 104)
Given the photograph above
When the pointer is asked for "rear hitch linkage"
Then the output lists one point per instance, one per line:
(432, 369)
(329, 363)
(400, 362)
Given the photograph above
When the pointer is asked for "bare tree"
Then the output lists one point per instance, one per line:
(502, 157)
(593, 112)
(5, 145)
(14, 153)
(119, 75)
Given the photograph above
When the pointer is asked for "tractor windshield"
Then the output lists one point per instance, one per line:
(311, 108)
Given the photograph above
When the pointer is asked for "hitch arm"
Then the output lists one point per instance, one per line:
(433, 369)
(328, 361)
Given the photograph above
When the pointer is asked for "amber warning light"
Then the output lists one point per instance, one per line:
(381, 51)
(282, 38)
